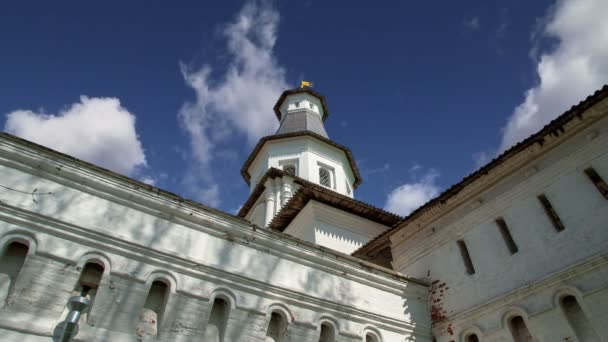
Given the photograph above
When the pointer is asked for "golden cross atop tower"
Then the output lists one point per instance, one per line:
(307, 84)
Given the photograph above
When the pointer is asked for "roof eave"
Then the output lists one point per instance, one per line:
(258, 147)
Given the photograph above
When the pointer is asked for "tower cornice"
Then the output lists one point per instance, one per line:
(286, 93)
(258, 147)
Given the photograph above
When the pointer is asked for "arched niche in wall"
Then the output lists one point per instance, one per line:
(519, 329)
(278, 323)
(371, 334)
(93, 268)
(515, 320)
(328, 329)
(471, 334)
(88, 284)
(222, 301)
(569, 301)
(471, 338)
(160, 286)
(14, 250)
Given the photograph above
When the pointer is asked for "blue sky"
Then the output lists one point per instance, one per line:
(177, 94)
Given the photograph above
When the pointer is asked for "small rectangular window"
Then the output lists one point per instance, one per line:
(506, 235)
(289, 166)
(324, 177)
(551, 213)
(464, 252)
(290, 169)
(597, 181)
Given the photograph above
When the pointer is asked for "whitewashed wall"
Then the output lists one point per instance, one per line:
(549, 264)
(326, 226)
(139, 234)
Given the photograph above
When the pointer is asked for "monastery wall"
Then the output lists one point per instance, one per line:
(550, 282)
(166, 263)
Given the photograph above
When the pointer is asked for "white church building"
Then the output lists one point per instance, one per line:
(516, 251)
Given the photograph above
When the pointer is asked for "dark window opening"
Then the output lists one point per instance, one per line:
(218, 319)
(151, 314)
(506, 235)
(88, 284)
(327, 333)
(599, 183)
(472, 338)
(579, 322)
(551, 213)
(11, 263)
(369, 337)
(277, 328)
(464, 252)
(519, 330)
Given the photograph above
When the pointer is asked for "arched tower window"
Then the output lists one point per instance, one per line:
(88, 283)
(152, 313)
(277, 328)
(578, 320)
(472, 338)
(218, 319)
(11, 262)
(327, 333)
(519, 330)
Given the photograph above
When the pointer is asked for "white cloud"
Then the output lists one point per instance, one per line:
(472, 23)
(98, 130)
(148, 180)
(408, 197)
(240, 101)
(482, 158)
(385, 168)
(568, 73)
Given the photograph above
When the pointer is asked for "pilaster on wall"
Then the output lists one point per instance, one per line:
(277, 194)
(302, 332)
(189, 316)
(244, 325)
(32, 294)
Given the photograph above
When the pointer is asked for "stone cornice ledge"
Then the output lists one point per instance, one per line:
(83, 176)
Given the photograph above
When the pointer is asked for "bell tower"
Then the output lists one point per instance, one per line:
(301, 149)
